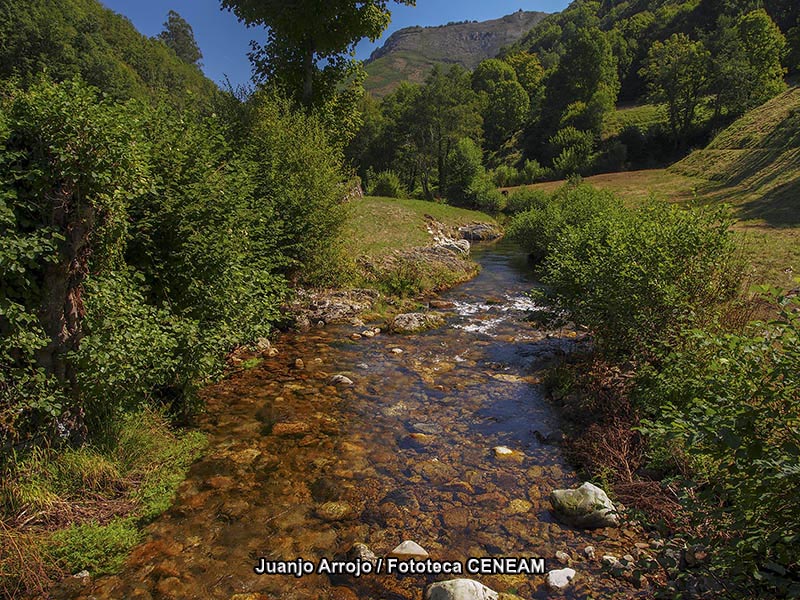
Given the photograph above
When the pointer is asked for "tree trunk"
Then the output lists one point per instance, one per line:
(61, 312)
(308, 72)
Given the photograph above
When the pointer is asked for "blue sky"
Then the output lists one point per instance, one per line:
(225, 42)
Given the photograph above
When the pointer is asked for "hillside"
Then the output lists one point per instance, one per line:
(409, 54)
(755, 163)
(68, 38)
(754, 166)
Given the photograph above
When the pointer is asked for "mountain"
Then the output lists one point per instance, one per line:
(409, 54)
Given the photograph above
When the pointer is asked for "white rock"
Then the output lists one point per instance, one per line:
(589, 552)
(409, 549)
(560, 578)
(460, 589)
(503, 451)
(82, 575)
(397, 350)
(341, 380)
(587, 507)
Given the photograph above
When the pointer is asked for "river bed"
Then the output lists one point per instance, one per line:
(299, 467)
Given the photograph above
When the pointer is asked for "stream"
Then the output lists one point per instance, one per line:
(298, 467)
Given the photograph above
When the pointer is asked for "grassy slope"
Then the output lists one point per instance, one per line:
(754, 166)
(378, 226)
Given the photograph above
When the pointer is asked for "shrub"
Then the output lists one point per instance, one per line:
(526, 199)
(505, 175)
(537, 228)
(635, 277)
(730, 401)
(574, 151)
(484, 195)
(387, 185)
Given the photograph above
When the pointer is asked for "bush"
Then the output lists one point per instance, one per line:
(635, 277)
(537, 229)
(483, 195)
(574, 151)
(526, 199)
(505, 176)
(730, 401)
(387, 185)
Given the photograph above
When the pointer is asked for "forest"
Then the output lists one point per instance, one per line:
(153, 223)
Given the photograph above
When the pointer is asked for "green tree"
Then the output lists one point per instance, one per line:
(747, 63)
(505, 102)
(304, 32)
(677, 74)
(179, 36)
(585, 84)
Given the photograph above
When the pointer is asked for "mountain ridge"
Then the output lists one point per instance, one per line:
(410, 53)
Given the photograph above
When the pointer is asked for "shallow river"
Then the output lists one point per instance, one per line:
(298, 467)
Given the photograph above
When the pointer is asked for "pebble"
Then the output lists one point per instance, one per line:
(563, 557)
(368, 333)
(341, 380)
(589, 552)
(299, 364)
(355, 336)
(397, 350)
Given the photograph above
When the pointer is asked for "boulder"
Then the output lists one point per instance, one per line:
(587, 507)
(460, 589)
(560, 578)
(416, 322)
(480, 232)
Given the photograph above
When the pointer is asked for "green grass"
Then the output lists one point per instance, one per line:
(84, 508)
(379, 241)
(378, 226)
(642, 117)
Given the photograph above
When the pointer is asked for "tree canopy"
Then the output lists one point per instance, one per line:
(179, 36)
(305, 32)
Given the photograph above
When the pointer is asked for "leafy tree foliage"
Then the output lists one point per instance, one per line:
(179, 36)
(69, 38)
(305, 32)
(677, 73)
(506, 103)
(747, 63)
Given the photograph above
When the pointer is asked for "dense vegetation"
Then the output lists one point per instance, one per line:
(542, 108)
(715, 396)
(149, 224)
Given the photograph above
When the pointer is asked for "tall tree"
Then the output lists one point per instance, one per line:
(304, 32)
(747, 63)
(179, 36)
(677, 74)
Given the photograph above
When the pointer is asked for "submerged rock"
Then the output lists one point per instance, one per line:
(560, 578)
(341, 380)
(416, 322)
(588, 507)
(409, 549)
(460, 589)
(361, 552)
(335, 511)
